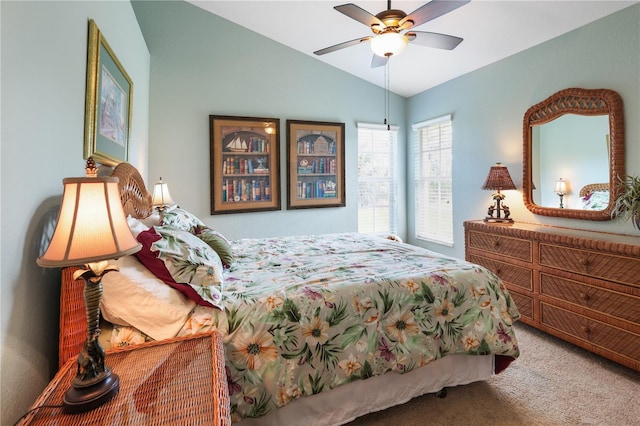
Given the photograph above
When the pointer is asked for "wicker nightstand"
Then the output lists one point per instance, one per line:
(178, 381)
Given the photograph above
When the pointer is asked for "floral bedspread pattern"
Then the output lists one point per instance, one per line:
(307, 314)
(597, 200)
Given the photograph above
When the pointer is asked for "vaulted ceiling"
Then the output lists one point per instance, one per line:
(492, 30)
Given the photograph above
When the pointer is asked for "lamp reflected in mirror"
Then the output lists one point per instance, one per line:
(562, 188)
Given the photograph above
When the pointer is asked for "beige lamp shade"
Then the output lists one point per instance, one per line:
(498, 178)
(161, 196)
(91, 225)
(561, 187)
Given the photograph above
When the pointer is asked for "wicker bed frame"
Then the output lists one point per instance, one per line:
(136, 201)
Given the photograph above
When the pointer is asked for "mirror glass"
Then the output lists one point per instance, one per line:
(573, 154)
(574, 148)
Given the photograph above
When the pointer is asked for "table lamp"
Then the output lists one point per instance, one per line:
(497, 180)
(561, 190)
(91, 229)
(161, 198)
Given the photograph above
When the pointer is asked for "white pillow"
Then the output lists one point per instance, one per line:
(136, 226)
(134, 296)
(151, 220)
(139, 225)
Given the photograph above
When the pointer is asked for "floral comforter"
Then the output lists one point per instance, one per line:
(307, 314)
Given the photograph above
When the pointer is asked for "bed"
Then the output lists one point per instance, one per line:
(595, 196)
(317, 329)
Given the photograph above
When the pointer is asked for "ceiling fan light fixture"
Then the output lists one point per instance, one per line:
(389, 44)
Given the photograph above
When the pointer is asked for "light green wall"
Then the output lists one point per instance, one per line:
(488, 106)
(44, 53)
(202, 64)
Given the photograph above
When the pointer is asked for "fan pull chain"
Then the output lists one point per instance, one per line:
(386, 95)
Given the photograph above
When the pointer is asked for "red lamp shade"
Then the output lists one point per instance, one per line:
(498, 178)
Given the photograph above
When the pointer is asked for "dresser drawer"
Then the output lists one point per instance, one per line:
(608, 302)
(621, 269)
(510, 274)
(524, 305)
(594, 332)
(506, 246)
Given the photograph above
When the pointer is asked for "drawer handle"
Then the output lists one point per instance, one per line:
(583, 261)
(585, 329)
(584, 296)
(496, 243)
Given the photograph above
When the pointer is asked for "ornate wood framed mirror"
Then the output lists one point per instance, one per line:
(573, 154)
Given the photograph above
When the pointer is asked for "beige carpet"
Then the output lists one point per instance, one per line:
(552, 383)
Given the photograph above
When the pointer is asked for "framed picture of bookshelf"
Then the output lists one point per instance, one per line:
(315, 160)
(244, 164)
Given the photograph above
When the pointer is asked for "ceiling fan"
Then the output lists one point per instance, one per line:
(391, 29)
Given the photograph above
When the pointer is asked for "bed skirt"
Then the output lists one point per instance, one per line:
(345, 403)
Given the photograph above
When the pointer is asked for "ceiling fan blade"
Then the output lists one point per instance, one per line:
(429, 11)
(378, 61)
(359, 14)
(342, 45)
(437, 40)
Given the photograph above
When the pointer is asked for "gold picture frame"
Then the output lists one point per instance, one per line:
(245, 164)
(315, 160)
(108, 103)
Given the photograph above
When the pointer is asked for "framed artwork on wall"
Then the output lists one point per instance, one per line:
(244, 164)
(108, 102)
(315, 160)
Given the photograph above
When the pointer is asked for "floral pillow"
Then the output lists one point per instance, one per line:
(181, 219)
(184, 262)
(216, 241)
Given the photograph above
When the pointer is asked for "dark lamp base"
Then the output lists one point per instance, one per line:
(498, 220)
(81, 399)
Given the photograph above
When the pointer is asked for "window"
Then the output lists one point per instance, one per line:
(433, 185)
(377, 179)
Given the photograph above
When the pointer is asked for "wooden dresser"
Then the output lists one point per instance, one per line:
(581, 286)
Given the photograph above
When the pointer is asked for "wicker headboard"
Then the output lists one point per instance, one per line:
(593, 187)
(136, 201)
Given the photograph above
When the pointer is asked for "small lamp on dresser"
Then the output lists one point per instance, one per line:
(498, 180)
(91, 229)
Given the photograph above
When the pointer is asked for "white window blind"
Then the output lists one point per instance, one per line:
(433, 184)
(377, 179)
